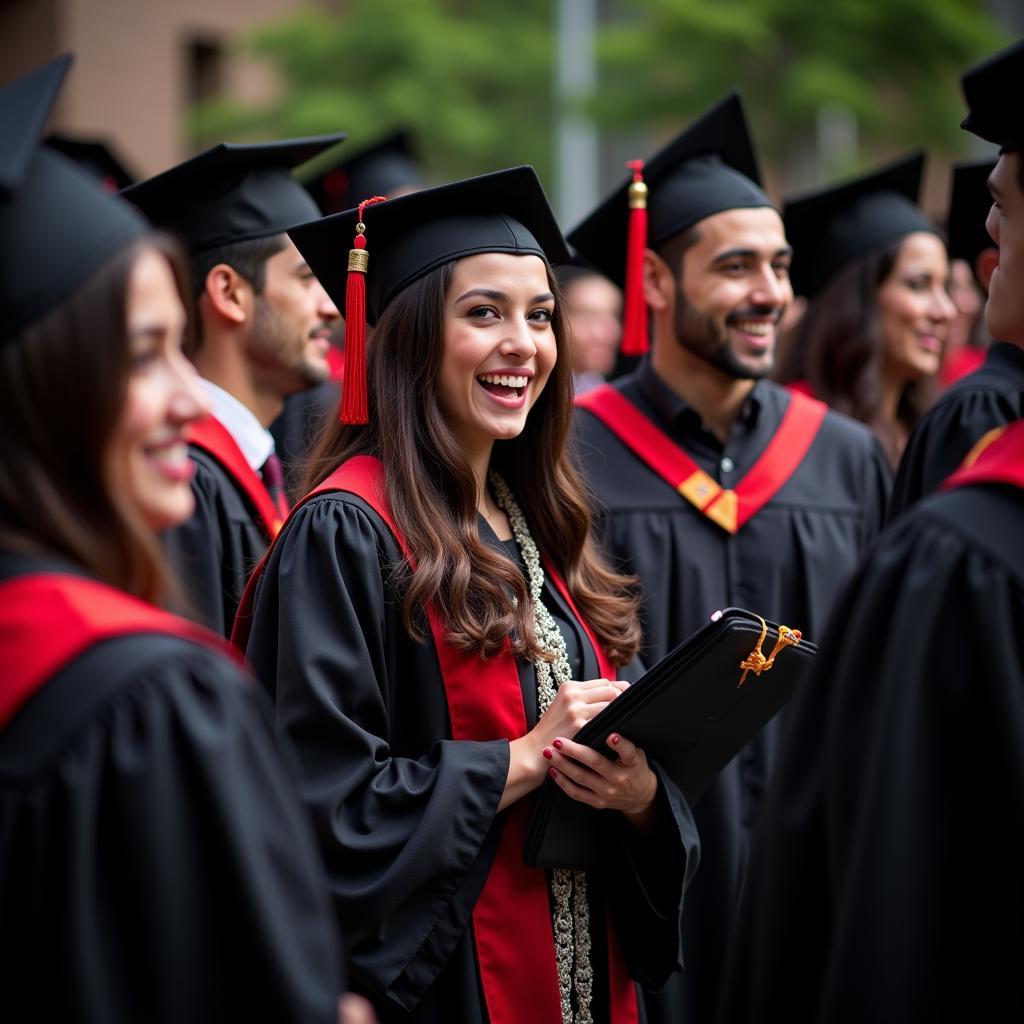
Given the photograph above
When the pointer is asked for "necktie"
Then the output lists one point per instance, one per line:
(273, 478)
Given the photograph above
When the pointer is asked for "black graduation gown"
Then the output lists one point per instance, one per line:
(297, 428)
(990, 397)
(786, 564)
(407, 816)
(214, 551)
(886, 879)
(155, 861)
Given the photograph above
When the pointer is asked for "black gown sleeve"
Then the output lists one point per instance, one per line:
(214, 550)
(155, 860)
(406, 815)
(885, 879)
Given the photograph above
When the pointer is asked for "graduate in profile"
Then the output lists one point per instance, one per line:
(886, 880)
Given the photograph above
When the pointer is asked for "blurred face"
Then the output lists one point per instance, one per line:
(593, 308)
(966, 298)
(292, 324)
(915, 308)
(734, 291)
(147, 460)
(1004, 311)
(499, 346)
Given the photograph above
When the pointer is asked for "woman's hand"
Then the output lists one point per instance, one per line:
(575, 704)
(627, 785)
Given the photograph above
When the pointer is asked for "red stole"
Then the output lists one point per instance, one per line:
(729, 508)
(212, 437)
(49, 619)
(998, 458)
(512, 926)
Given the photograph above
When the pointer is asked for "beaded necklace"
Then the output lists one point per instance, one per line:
(571, 916)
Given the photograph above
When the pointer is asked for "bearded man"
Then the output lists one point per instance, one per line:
(719, 488)
(260, 333)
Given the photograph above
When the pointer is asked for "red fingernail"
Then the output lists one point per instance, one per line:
(614, 739)
(558, 744)
(553, 773)
(547, 753)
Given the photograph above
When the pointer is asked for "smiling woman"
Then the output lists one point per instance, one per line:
(434, 624)
(876, 275)
(139, 783)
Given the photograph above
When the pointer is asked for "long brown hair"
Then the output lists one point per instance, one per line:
(838, 348)
(433, 496)
(63, 382)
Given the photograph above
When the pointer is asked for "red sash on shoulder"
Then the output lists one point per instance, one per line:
(214, 439)
(512, 919)
(49, 619)
(729, 508)
(998, 458)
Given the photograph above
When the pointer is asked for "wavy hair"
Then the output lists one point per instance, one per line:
(432, 490)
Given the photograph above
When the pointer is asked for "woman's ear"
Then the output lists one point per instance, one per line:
(228, 294)
(659, 281)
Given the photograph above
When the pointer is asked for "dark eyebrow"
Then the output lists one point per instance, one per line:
(487, 293)
(749, 254)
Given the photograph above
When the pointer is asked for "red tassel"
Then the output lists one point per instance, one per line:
(354, 405)
(634, 326)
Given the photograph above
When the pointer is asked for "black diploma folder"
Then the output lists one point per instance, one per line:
(691, 713)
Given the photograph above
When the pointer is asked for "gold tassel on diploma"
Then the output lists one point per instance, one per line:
(756, 662)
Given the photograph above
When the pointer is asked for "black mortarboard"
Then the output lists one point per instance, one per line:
(232, 192)
(830, 228)
(709, 168)
(385, 167)
(56, 224)
(408, 237)
(994, 91)
(95, 157)
(969, 204)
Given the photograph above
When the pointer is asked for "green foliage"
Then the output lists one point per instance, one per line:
(472, 80)
(894, 63)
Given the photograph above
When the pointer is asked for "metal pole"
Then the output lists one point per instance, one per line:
(576, 151)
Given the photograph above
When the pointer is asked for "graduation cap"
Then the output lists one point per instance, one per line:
(397, 241)
(969, 204)
(382, 169)
(994, 91)
(56, 224)
(94, 156)
(707, 169)
(232, 192)
(830, 228)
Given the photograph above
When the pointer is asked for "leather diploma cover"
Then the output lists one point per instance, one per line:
(692, 713)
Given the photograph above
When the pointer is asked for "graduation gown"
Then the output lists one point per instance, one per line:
(786, 564)
(407, 816)
(216, 549)
(155, 861)
(886, 879)
(974, 405)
